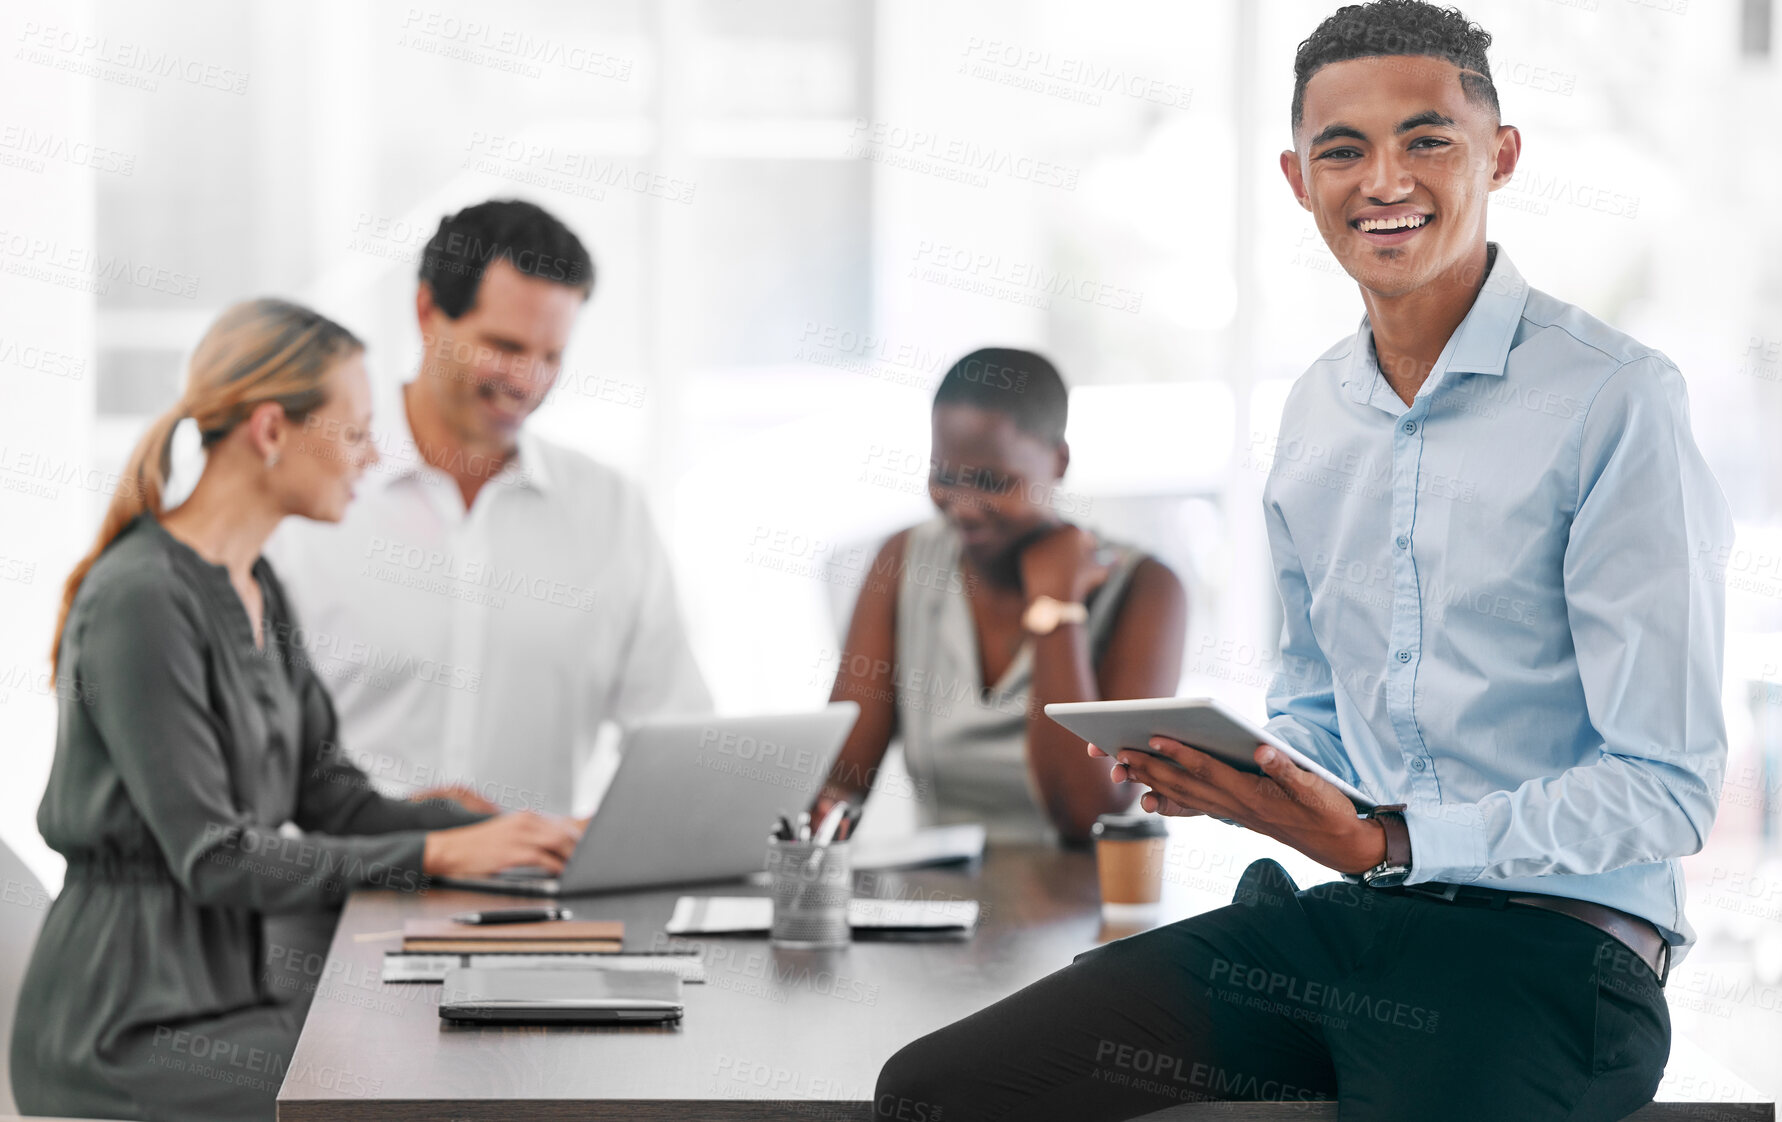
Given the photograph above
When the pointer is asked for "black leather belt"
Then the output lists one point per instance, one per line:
(1636, 934)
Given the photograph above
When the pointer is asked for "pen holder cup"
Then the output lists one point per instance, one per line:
(811, 885)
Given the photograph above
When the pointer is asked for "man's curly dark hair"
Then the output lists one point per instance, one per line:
(1397, 27)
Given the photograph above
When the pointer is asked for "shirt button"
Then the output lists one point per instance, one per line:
(1410, 426)
(1418, 764)
(1404, 656)
(1404, 542)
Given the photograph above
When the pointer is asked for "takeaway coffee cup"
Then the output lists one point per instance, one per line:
(1129, 850)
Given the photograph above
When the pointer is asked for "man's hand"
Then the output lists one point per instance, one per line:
(1286, 802)
(1061, 563)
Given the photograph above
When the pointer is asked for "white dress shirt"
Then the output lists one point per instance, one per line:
(488, 646)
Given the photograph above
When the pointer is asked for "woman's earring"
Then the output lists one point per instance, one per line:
(271, 461)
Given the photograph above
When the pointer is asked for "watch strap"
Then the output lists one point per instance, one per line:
(1397, 866)
(1046, 614)
(1398, 835)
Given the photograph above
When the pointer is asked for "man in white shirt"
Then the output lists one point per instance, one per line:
(490, 598)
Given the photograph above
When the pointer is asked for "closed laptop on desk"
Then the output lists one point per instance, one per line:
(560, 996)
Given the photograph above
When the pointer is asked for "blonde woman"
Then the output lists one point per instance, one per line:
(191, 729)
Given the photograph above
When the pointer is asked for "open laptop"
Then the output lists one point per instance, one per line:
(693, 800)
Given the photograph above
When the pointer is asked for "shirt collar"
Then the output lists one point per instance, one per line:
(400, 457)
(1480, 345)
(1482, 341)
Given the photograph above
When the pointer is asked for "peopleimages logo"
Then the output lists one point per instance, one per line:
(1025, 282)
(506, 48)
(1144, 1069)
(954, 157)
(766, 752)
(439, 571)
(1312, 1000)
(571, 172)
(299, 860)
(35, 146)
(1065, 76)
(39, 258)
(121, 61)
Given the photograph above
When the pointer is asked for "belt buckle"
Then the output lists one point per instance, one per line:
(1664, 961)
(1439, 891)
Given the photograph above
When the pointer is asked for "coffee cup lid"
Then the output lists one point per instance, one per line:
(1134, 826)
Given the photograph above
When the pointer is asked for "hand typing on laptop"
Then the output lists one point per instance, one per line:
(508, 840)
(461, 793)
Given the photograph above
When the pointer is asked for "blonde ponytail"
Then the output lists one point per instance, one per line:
(257, 351)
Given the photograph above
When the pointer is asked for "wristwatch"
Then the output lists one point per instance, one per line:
(1046, 615)
(1391, 872)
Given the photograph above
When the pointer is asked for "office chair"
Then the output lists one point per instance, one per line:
(23, 903)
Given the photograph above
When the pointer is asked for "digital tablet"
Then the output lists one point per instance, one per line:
(1199, 722)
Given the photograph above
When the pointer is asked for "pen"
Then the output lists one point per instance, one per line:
(513, 915)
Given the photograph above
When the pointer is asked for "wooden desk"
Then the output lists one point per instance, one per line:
(770, 1034)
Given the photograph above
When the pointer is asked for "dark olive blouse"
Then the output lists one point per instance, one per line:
(181, 749)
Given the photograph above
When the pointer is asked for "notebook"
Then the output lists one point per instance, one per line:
(444, 935)
(934, 845)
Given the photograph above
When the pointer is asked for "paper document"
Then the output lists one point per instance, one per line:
(748, 915)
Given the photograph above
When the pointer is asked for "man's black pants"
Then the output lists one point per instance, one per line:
(1396, 1005)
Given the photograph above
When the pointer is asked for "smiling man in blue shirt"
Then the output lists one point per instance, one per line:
(1482, 511)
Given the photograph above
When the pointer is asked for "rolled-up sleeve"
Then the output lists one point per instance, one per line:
(1645, 601)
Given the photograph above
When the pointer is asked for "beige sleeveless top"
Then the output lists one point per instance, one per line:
(965, 741)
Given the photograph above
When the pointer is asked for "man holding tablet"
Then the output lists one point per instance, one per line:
(1528, 682)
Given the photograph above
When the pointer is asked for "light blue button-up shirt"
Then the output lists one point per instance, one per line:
(1498, 609)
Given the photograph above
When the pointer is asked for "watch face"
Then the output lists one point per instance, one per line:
(1386, 876)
